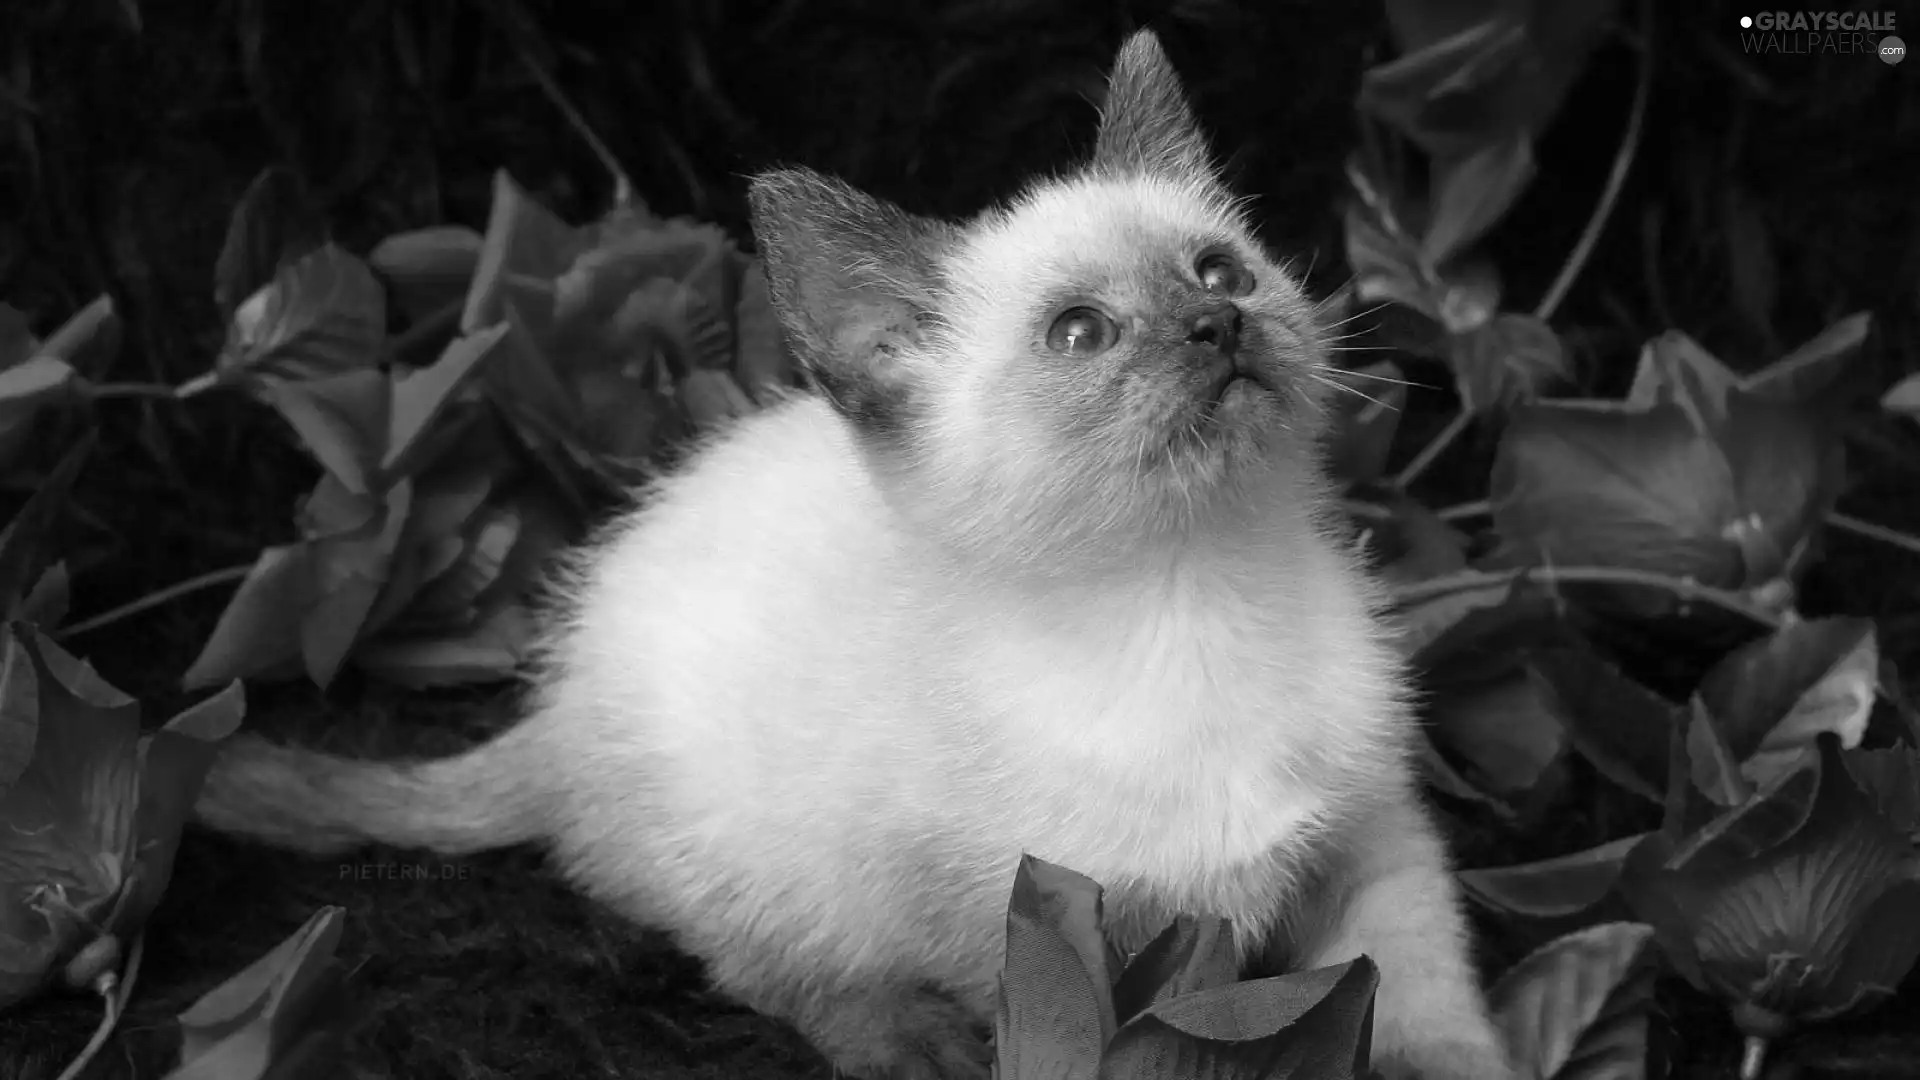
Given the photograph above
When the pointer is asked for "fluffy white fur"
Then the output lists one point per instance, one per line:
(807, 705)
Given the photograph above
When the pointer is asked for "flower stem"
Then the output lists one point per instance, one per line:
(1450, 434)
(1753, 1057)
(1420, 592)
(114, 993)
(1583, 247)
(133, 390)
(623, 195)
(1892, 537)
(155, 599)
(1616, 177)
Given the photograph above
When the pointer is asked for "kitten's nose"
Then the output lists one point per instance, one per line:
(1218, 327)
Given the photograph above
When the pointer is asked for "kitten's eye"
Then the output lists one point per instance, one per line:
(1223, 274)
(1082, 331)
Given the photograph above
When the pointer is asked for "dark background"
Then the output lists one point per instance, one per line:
(129, 129)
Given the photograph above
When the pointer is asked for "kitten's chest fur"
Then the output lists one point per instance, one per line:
(1178, 735)
(1183, 738)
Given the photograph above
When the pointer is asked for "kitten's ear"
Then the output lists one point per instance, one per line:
(852, 279)
(1146, 124)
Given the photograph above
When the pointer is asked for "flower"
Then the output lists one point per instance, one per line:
(91, 824)
(1797, 904)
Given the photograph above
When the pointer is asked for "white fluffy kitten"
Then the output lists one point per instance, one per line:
(1047, 566)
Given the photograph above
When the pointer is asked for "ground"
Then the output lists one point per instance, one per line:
(1772, 194)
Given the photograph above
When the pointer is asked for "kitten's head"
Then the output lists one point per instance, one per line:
(1112, 359)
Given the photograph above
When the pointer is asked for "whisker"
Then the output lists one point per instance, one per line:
(1354, 390)
(1377, 377)
(1389, 379)
(1336, 292)
(1356, 316)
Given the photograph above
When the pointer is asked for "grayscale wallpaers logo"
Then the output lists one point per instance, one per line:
(1818, 33)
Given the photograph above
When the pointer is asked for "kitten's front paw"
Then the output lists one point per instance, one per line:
(903, 1033)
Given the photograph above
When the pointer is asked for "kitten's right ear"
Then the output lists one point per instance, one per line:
(1146, 124)
(852, 279)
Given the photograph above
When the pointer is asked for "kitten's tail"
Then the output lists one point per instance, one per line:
(305, 800)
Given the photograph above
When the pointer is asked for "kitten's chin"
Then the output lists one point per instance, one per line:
(1236, 426)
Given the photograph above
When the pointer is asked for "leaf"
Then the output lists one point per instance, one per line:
(1415, 543)
(1716, 768)
(342, 420)
(1506, 361)
(1673, 368)
(1470, 74)
(70, 842)
(46, 603)
(51, 369)
(89, 339)
(281, 1010)
(421, 396)
(44, 373)
(1617, 724)
(1192, 954)
(1891, 778)
(1772, 696)
(1684, 808)
(489, 540)
(446, 497)
(668, 283)
(1055, 1015)
(1577, 1007)
(1508, 730)
(1385, 263)
(260, 628)
(1452, 620)
(1559, 887)
(1811, 369)
(349, 571)
(1315, 1023)
(523, 241)
(1440, 774)
(1577, 484)
(322, 314)
(712, 397)
(174, 762)
(273, 223)
(428, 269)
(763, 365)
(1366, 421)
(1460, 73)
(33, 383)
(1664, 488)
(30, 590)
(522, 380)
(1903, 398)
(1471, 193)
(490, 650)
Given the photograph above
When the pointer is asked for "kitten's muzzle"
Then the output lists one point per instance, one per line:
(1217, 326)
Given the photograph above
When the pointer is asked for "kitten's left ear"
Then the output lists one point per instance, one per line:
(852, 279)
(1146, 124)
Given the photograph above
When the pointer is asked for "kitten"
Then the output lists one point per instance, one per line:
(1048, 565)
